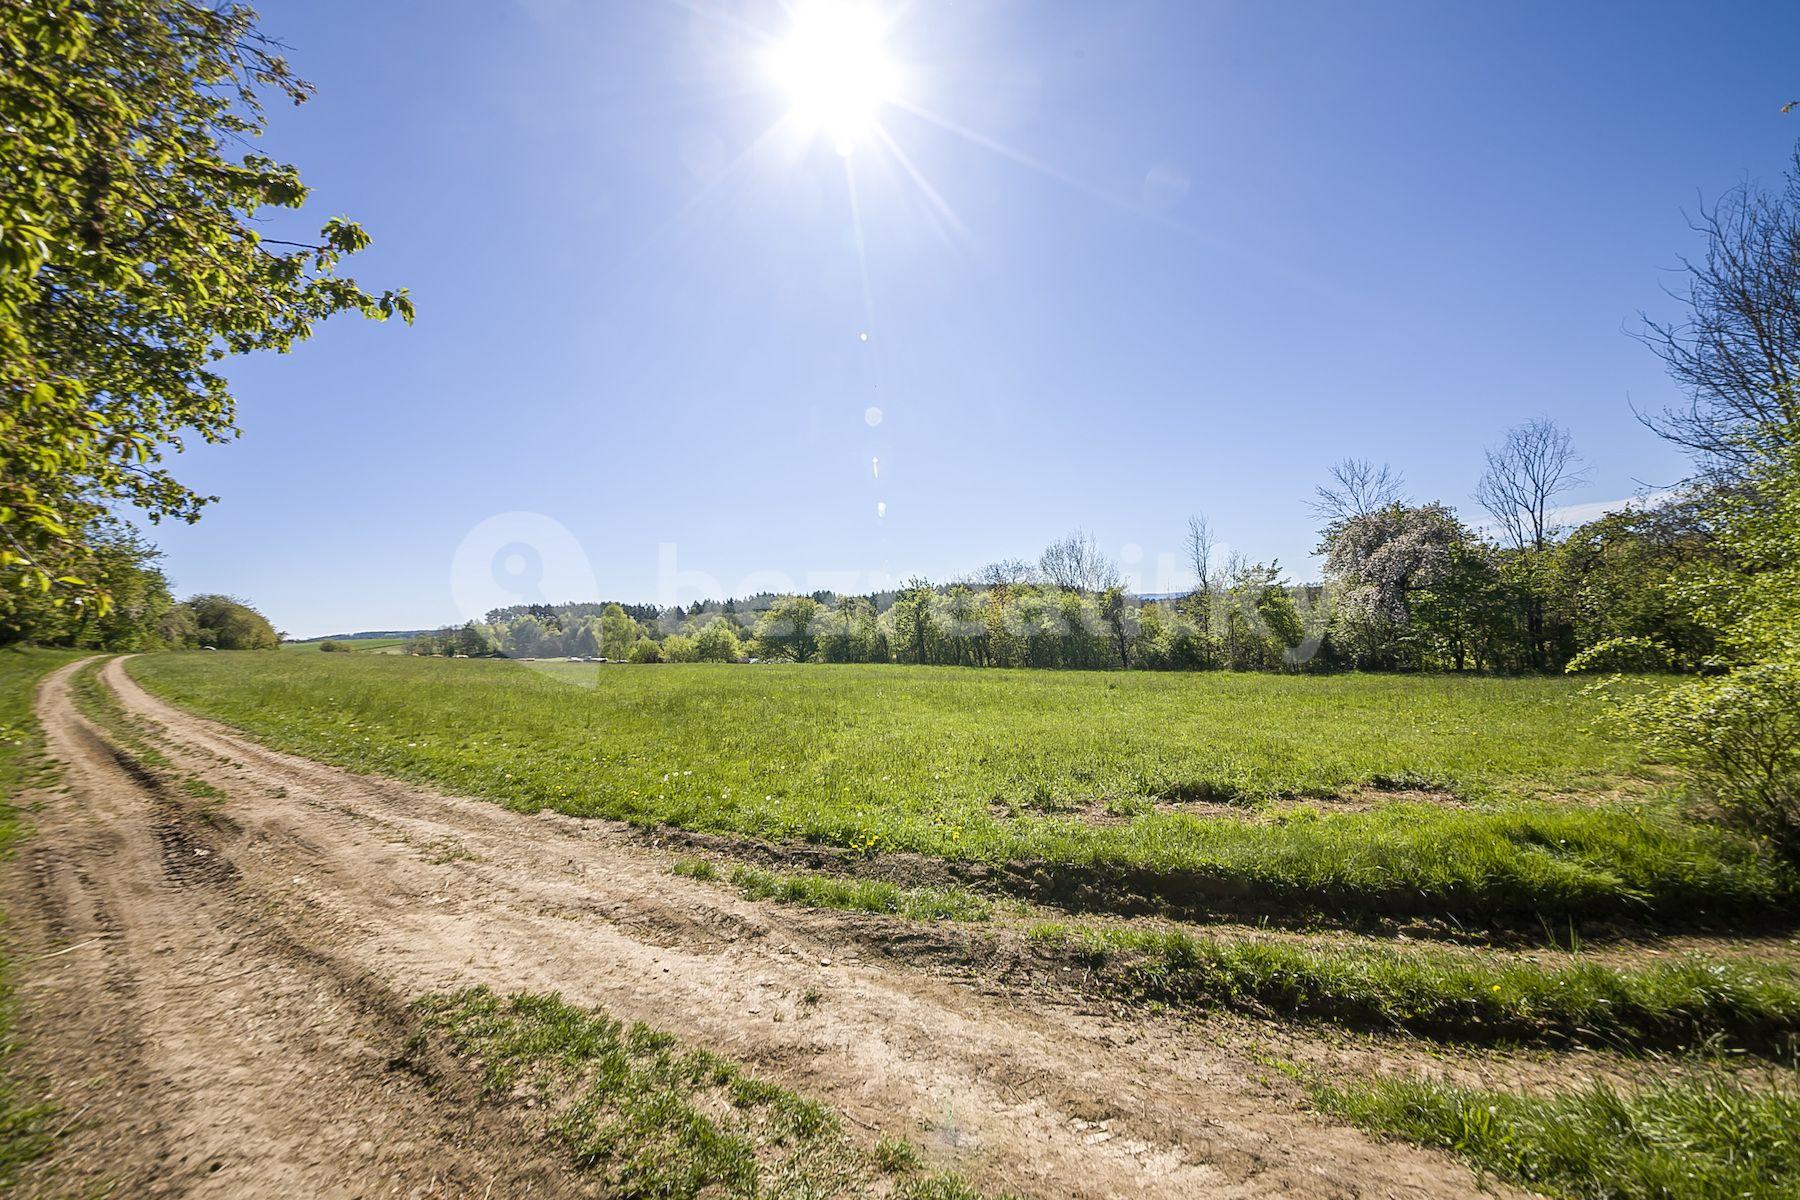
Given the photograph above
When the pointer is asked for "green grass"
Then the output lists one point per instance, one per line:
(24, 1130)
(853, 895)
(20, 671)
(655, 1118)
(95, 701)
(1024, 767)
(1461, 995)
(1706, 1139)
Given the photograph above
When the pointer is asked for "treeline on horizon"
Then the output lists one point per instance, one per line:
(1409, 587)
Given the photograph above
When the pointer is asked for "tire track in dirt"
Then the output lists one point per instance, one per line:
(195, 1050)
(336, 877)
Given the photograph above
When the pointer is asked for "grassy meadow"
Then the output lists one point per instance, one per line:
(1070, 773)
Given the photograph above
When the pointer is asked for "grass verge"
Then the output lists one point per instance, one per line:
(24, 1121)
(852, 895)
(1028, 771)
(1457, 995)
(1460, 995)
(656, 1118)
(1704, 1139)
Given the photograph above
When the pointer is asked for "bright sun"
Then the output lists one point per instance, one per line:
(833, 68)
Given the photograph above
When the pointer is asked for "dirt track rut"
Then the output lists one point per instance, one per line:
(217, 990)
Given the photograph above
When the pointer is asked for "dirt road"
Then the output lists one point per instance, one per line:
(217, 990)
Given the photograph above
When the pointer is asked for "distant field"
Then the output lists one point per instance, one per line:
(1126, 772)
(353, 645)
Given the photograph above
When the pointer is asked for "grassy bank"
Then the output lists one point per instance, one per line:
(1462, 995)
(1459, 995)
(24, 1134)
(1071, 772)
(652, 1117)
(1703, 1139)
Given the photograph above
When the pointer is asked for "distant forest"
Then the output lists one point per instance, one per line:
(1409, 586)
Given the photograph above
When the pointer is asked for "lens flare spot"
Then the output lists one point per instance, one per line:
(875, 467)
(862, 337)
(880, 509)
(872, 416)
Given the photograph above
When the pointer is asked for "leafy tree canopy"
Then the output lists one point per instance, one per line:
(130, 264)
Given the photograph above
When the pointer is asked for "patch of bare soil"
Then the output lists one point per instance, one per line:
(1364, 799)
(218, 1001)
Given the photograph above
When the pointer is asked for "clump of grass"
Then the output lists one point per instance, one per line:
(695, 868)
(1456, 994)
(194, 786)
(656, 1118)
(1700, 1139)
(895, 1156)
(863, 895)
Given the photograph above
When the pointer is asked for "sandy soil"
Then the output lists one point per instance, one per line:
(216, 991)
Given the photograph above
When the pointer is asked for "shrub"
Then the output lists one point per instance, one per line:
(679, 647)
(223, 622)
(1638, 655)
(718, 642)
(1739, 737)
(643, 651)
(330, 647)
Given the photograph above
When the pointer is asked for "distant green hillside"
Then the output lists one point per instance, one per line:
(353, 645)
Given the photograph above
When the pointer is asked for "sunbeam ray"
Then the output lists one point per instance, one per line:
(1045, 169)
(862, 261)
(938, 203)
(710, 188)
(726, 20)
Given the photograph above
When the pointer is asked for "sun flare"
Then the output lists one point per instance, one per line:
(835, 70)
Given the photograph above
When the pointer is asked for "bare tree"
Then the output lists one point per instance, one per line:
(1357, 488)
(1737, 352)
(1200, 544)
(1200, 547)
(1007, 573)
(1525, 474)
(1075, 564)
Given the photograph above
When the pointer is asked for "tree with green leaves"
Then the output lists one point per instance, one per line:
(617, 633)
(1621, 576)
(717, 640)
(131, 263)
(913, 625)
(123, 565)
(1737, 732)
(224, 623)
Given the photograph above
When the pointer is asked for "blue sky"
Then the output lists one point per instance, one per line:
(1182, 257)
